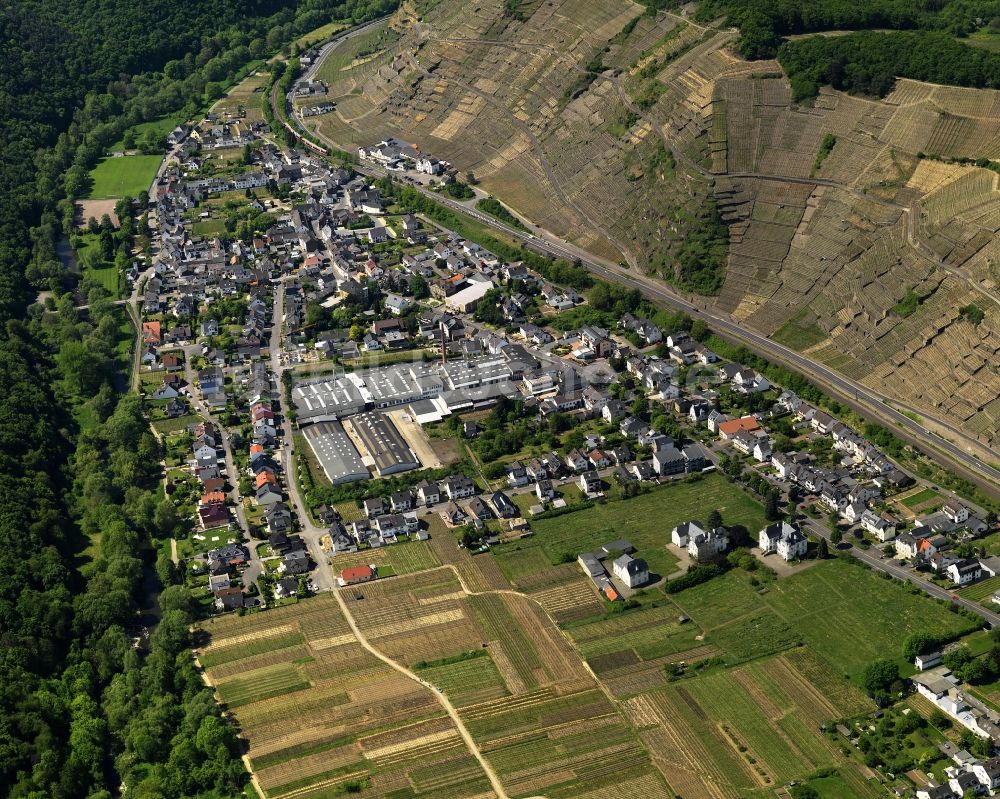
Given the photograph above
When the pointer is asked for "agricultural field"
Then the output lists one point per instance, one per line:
(403, 558)
(724, 703)
(645, 520)
(923, 501)
(730, 732)
(982, 591)
(844, 613)
(121, 176)
(323, 717)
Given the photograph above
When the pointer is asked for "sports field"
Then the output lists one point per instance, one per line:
(128, 175)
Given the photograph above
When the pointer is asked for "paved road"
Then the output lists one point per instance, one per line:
(253, 570)
(323, 577)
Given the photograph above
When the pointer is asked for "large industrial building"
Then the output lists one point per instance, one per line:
(335, 452)
(380, 443)
(460, 385)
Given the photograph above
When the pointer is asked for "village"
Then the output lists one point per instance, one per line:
(351, 395)
(338, 322)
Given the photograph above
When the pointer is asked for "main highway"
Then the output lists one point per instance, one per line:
(958, 457)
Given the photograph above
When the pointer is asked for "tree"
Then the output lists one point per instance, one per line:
(920, 643)
(803, 791)
(879, 678)
(419, 288)
(836, 536)
(714, 519)
(823, 551)
(771, 508)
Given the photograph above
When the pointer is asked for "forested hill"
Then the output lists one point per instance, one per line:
(84, 714)
(919, 39)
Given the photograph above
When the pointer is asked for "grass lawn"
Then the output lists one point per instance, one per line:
(208, 228)
(173, 425)
(211, 539)
(921, 497)
(985, 39)
(320, 34)
(162, 127)
(991, 543)
(126, 175)
(107, 277)
(646, 521)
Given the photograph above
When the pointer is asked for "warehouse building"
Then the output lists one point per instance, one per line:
(335, 452)
(381, 445)
(327, 399)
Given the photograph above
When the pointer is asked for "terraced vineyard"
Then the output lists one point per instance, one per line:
(563, 116)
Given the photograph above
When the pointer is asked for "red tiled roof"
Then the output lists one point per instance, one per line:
(353, 573)
(748, 423)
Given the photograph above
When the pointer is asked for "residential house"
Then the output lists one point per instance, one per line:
(955, 511)
(633, 572)
(709, 545)
(295, 562)
(402, 501)
(882, 526)
(906, 546)
(374, 506)
(517, 475)
(682, 534)
(503, 506)
(669, 461)
(356, 574)
(590, 483)
(453, 515)
(783, 538)
(544, 490)
(577, 461)
(695, 458)
(428, 493)
(458, 487)
(965, 571)
(478, 509)
(728, 429)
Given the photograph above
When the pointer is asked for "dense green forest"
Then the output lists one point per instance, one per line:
(919, 39)
(85, 713)
(763, 23)
(869, 62)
